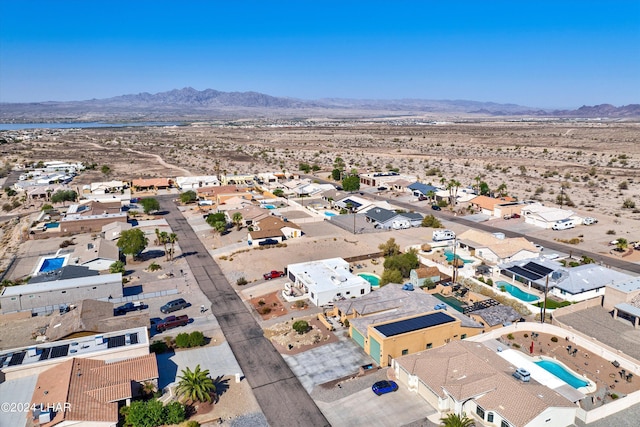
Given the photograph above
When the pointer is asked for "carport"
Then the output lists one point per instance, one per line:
(628, 311)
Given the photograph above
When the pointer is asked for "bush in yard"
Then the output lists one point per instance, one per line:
(510, 336)
(301, 326)
(182, 340)
(489, 282)
(554, 339)
(241, 281)
(158, 347)
(196, 339)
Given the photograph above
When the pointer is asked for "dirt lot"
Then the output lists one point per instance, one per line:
(288, 341)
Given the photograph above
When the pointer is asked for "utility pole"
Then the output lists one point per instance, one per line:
(544, 303)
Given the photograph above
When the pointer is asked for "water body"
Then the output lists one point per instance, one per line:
(83, 125)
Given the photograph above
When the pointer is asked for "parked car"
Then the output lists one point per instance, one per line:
(421, 198)
(381, 188)
(172, 322)
(273, 274)
(130, 306)
(383, 387)
(589, 220)
(175, 305)
(515, 215)
(268, 242)
(436, 208)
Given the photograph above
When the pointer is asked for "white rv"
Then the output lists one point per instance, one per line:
(439, 235)
(563, 224)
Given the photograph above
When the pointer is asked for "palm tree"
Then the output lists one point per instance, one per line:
(173, 238)
(452, 186)
(164, 239)
(455, 420)
(622, 244)
(196, 385)
(502, 190)
(148, 388)
(431, 195)
(237, 220)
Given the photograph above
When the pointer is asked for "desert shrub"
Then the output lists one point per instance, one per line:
(554, 339)
(301, 326)
(192, 423)
(526, 335)
(241, 281)
(265, 310)
(515, 345)
(300, 304)
(510, 336)
(261, 302)
(628, 204)
(489, 281)
(117, 267)
(154, 267)
(614, 396)
(481, 279)
(346, 323)
(611, 232)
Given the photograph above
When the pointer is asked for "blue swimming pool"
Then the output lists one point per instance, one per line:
(371, 278)
(327, 213)
(517, 292)
(449, 255)
(268, 206)
(50, 264)
(52, 225)
(563, 373)
(453, 302)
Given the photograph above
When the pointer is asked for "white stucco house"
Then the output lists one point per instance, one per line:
(186, 183)
(327, 280)
(545, 216)
(492, 249)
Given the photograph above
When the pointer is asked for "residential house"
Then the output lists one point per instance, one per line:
(106, 187)
(423, 275)
(493, 249)
(388, 219)
(623, 298)
(47, 293)
(112, 230)
(90, 317)
(487, 205)
(384, 179)
(327, 281)
(274, 228)
(251, 214)
(491, 314)
(150, 184)
(544, 216)
(392, 322)
(237, 179)
(97, 254)
(420, 189)
(91, 217)
(185, 183)
(353, 203)
(93, 390)
(469, 378)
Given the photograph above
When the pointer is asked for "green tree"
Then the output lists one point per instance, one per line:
(304, 167)
(237, 220)
(117, 267)
(452, 187)
(174, 413)
(390, 276)
(172, 239)
(455, 420)
(336, 174)
(315, 167)
(196, 385)
(150, 205)
(163, 238)
(189, 196)
(143, 414)
(106, 170)
(403, 262)
(301, 326)
(502, 190)
(46, 207)
(351, 183)
(622, 244)
(278, 192)
(390, 248)
(484, 188)
(431, 221)
(132, 242)
(64, 196)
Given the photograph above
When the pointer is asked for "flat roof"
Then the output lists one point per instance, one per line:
(414, 324)
(628, 308)
(61, 284)
(73, 347)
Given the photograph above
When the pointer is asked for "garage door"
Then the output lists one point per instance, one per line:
(357, 337)
(374, 350)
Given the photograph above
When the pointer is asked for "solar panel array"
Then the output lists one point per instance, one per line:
(527, 274)
(45, 353)
(134, 338)
(17, 358)
(59, 351)
(414, 324)
(117, 341)
(540, 269)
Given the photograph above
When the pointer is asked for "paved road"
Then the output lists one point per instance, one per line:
(278, 391)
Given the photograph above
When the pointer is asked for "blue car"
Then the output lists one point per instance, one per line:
(383, 387)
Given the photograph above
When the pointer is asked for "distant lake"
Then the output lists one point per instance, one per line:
(82, 125)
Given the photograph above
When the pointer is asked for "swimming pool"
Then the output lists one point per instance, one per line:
(455, 303)
(327, 213)
(50, 264)
(374, 279)
(52, 225)
(268, 206)
(562, 372)
(449, 255)
(517, 292)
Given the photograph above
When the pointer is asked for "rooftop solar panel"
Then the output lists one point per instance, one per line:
(414, 324)
(45, 353)
(59, 351)
(17, 358)
(134, 338)
(117, 341)
(524, 273)
(537, 268)
(354, 205)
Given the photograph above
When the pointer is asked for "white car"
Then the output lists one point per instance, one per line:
(589, 220)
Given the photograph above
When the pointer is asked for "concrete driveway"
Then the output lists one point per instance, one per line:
(366, 409)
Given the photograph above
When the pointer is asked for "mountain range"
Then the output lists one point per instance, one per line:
(191, 104)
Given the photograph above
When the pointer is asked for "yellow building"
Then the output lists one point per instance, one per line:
(392, 322)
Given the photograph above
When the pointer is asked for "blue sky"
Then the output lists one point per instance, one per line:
(537, 53)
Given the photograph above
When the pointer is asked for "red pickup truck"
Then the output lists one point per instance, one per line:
(273, 274)
(172, 322)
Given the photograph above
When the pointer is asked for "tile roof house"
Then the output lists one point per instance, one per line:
(273, 227)
(92, 388)
(487, 204)
(468, 377)
(151, 183)
(418, 276)
(251, 214)
(493, 249)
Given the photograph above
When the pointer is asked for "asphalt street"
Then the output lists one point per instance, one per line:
(281, 396)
